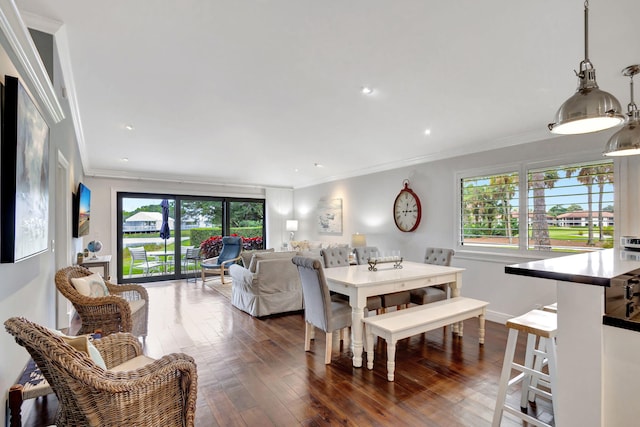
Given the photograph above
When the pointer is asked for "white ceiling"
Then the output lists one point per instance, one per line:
(257, 91)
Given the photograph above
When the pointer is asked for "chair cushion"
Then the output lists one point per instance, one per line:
(397, 298)
(136, 305)
(90, 286)
(428, 295)
(133, 364)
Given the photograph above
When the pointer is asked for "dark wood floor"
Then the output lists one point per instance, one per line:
(256, 373)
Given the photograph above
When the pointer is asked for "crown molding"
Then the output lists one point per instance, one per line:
(16, 40)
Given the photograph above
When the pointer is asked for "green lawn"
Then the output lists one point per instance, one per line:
(574, 233)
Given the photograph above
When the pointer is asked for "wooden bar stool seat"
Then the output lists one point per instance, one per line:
(541, 328)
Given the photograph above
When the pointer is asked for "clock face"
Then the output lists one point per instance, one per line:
(407, 210)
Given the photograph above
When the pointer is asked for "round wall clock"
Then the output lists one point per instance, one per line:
(407, 211)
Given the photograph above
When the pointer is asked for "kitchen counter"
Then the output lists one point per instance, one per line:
(592, 268)
(595, 361)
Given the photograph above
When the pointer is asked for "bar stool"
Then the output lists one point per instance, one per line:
(541, 329)
(553, 308)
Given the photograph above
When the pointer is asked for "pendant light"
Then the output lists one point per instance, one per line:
(626, 141)
(589, 109)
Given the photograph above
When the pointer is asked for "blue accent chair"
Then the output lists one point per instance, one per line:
(230, 254)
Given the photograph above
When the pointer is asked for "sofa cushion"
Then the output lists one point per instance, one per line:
(247, 255)
(268, 255)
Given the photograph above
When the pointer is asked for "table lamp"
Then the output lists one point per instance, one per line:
(292, 226)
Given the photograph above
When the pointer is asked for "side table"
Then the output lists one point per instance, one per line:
(99, 261)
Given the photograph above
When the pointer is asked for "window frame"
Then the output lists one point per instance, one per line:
(522, 169)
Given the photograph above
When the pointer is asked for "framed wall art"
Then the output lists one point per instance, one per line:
(330, 216)
(24, 189)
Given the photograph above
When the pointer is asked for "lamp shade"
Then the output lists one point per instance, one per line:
(358, 240)
(588, 110)
(625, 142)
(292, 225)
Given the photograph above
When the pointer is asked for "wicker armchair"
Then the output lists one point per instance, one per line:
(125, 309)
(160, 393)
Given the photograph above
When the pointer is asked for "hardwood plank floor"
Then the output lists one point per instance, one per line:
(255, 372)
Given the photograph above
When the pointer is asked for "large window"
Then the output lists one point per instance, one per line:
(567, 208)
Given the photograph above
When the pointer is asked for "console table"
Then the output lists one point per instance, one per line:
(100, 261)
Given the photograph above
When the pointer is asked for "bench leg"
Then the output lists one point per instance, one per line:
(15, 405)
(481, 328)
(369, 342)
(460, 328)
(391, 360)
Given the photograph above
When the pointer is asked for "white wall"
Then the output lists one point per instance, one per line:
(367, 209)
(27, 288)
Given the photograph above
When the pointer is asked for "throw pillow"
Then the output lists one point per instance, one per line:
(268, 255)
(90, 286)
(83, 344)
(247, 255)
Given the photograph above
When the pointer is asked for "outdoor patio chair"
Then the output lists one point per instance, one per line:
(230, 254)
(191, 257)
(124, 308)
(114, 386)
(140, 261)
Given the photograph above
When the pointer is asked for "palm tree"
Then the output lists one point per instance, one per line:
(538, 182)
(586, 178)
(604, 175)
(504, 189)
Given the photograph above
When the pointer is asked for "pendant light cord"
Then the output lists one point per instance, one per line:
(586, 31)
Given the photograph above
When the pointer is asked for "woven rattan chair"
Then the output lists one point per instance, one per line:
(125, 309)
(155, 393)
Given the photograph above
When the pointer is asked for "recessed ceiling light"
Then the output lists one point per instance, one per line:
(318, 165)
(296, 170)
(129, 127)
(427, 131)
(124, 159)
(366, 90)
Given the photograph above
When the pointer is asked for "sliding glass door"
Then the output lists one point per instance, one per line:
(195, 225)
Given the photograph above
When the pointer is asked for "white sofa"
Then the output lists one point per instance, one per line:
(269, 284)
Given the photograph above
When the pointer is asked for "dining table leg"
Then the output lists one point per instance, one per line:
(455, 292)
(357, 314)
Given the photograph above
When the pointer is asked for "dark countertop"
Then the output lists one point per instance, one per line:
(591, 268)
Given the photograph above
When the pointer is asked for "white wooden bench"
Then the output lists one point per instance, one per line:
(419, 319)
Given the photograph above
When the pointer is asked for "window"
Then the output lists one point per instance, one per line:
(568, 208)
(490, 210)
(571, 207)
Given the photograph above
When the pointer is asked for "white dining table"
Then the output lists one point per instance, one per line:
(358, 283)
